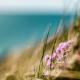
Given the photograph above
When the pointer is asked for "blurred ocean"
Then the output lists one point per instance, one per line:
(19, 30)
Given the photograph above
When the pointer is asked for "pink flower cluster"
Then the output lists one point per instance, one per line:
(59, 53)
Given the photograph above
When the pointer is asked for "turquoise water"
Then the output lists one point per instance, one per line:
(19, 30)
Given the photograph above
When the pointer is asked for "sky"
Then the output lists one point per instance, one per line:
(23, 6)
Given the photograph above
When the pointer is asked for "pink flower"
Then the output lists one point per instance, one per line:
(64, 46)
(53, 56)
(58, 54)
(59, 50)
(46, 58)
(46, 73)
(52, 66)
(61, 44)
(70, 41)
(60, 58)
(49, 62)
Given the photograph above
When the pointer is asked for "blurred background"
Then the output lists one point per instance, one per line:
(23, 24)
